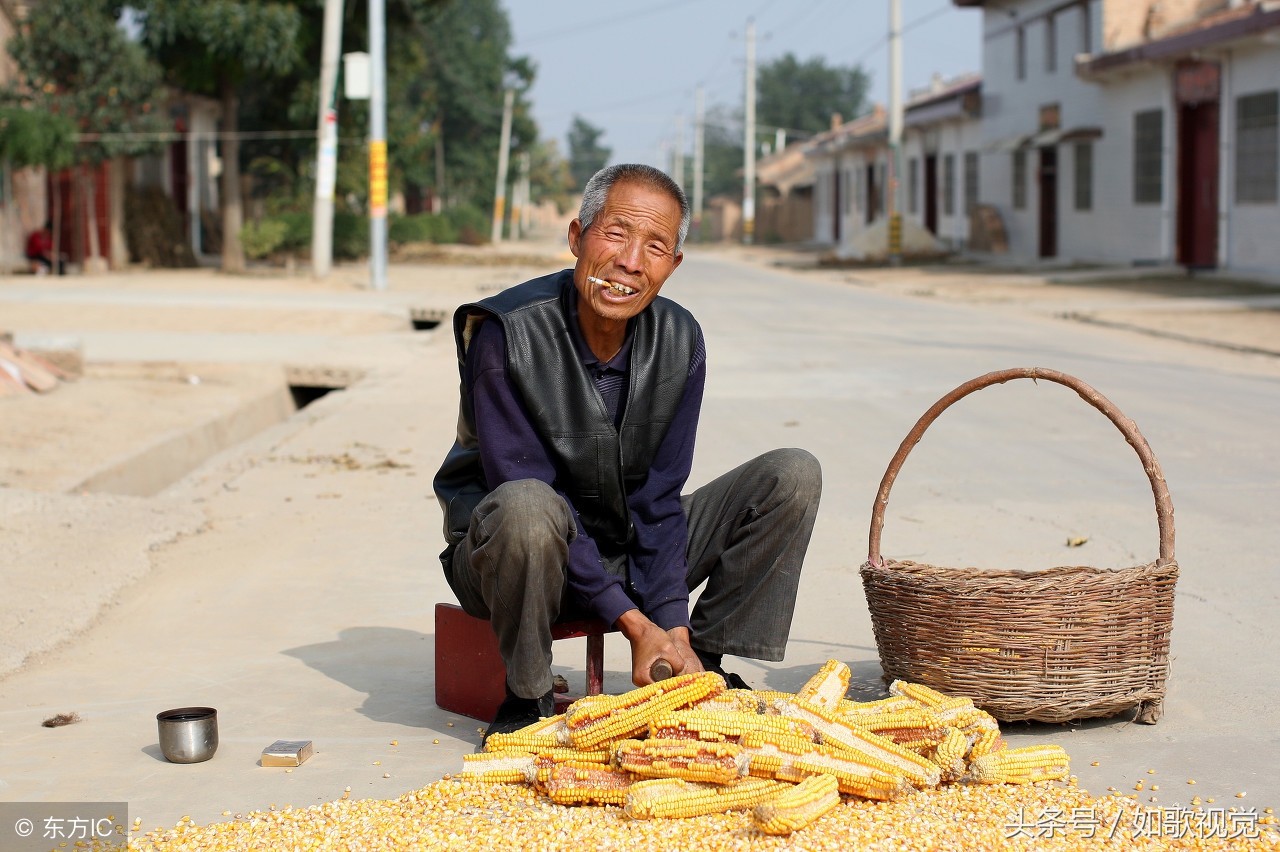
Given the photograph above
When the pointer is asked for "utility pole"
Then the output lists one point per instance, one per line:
(895, 132)
(749, 141)
(378, 143)
(699, 120)
(504, 154)
(519, 196)
(526, 164)
(326, 142)
(678, 175)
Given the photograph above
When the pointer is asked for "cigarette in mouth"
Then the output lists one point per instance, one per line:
(620, 289)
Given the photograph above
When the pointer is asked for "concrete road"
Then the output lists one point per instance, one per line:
(302, 608)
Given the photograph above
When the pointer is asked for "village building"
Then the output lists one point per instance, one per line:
(177, 187)
(1127, 132)
(850, 166)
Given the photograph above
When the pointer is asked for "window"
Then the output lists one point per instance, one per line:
(859, 180)
(1086, 28)
(949, 185)
(970, 181)
(1084, 175)
(1256, 147)
(1050, 44)
(1148, 158)
(1020, 179)
(913, 185)
(1020, 58)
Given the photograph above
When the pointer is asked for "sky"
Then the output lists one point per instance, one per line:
(632, 67)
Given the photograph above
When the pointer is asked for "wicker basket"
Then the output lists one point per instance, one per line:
(1049, 645)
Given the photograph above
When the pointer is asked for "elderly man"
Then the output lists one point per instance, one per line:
(562, 493)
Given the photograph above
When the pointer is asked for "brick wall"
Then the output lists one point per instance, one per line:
(1126, 23)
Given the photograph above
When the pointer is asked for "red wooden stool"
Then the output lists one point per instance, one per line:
(470, 676)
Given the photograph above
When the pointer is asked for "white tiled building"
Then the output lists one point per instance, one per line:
(850, 163)
(941, 142)
(941, 146)
(1125, 131)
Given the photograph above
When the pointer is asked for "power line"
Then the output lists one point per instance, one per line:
(599, 23)
(911, 25)
(190, 136)
(799, 18)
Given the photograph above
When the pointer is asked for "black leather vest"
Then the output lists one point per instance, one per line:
(597, 466)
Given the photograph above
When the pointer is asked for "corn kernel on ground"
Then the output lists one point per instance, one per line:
(468, 815)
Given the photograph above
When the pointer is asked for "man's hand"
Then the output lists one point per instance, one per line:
(680, 638)
(650, 642)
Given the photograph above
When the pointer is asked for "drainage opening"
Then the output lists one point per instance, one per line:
(425, 319)
(307, 384)
(304, 395)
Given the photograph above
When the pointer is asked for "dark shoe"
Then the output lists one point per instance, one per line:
(515, 713)
(731, 680)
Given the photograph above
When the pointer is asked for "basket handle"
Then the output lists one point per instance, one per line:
(1164, 505)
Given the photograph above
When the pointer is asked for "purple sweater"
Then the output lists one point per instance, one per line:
(510, 449)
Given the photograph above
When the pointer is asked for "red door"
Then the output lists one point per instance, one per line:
(1198, 184)
(931, 193)
(837, 203)
(1049, 202)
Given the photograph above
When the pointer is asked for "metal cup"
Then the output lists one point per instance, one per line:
(188, 734)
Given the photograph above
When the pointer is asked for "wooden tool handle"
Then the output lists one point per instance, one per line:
(660, 670)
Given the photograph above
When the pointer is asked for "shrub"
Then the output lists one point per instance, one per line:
(421, 228)
(260, 239)
(350, 235)
(470, 223)
(298, 233)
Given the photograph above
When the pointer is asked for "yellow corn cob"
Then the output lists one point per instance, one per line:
(799, 806)
(988, 741)
(621, 716)
(769, 697)
(691, 760)
(957, 712)
(544, 761)
(715, 725)
(1022, 765)
(587, 783)
(543, 734)
(915, 729)
(949, 754)
(917, 692)
(828, 686)
(734, 701)
(671, 798)
(892, 704)
(872, 750)
(772, 755)
(853, 775)
(498, 767)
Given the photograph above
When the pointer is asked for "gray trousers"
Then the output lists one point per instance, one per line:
(748, 532)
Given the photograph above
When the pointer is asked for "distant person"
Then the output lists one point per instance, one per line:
(40, 251)
(580, 398)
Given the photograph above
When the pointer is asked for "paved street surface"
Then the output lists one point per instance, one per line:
(290, 581)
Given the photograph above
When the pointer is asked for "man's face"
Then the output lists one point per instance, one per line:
(631, 243)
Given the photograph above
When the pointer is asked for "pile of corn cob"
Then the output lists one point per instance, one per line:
(679, 749)
(688, 746)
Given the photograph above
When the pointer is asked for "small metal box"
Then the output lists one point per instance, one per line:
(287, 753)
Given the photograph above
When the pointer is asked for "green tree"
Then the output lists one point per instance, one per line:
(448, 62)
(549, 176)
(803, 95)
(722, 153)
(214, 47)
(586, 155)
(89, 75)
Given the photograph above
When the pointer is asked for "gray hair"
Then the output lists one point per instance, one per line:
(597, 192)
